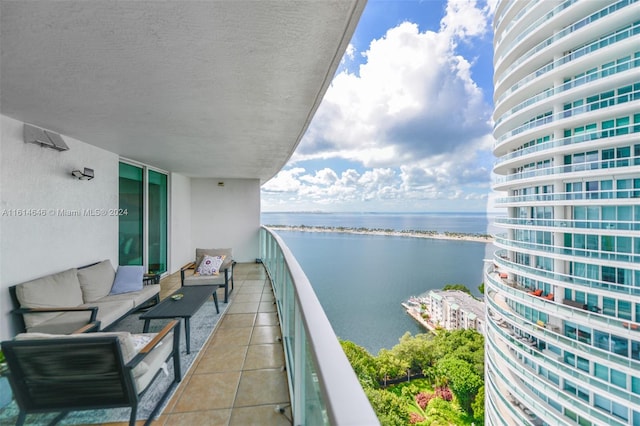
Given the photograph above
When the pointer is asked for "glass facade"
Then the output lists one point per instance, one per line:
(563, 290)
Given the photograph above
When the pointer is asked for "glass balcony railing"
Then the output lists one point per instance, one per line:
(569, 225)
(322, 385)
(606, 41)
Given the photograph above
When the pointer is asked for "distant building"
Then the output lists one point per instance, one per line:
(455, 310)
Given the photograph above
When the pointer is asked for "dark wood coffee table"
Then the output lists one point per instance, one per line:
(192, 299)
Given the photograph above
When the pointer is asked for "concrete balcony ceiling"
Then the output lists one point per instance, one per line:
(201, 88)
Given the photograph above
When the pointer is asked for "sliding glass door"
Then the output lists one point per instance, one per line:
(143, 238)
(131, 229)
(158, 205)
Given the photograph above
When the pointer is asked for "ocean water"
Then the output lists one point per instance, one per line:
(361, 280)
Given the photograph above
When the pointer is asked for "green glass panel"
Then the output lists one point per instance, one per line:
(130, 230)
(158, 205)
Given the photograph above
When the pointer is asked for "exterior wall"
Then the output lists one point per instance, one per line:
(226, 216)
(32, 177)
(563, 295)
(180, 222)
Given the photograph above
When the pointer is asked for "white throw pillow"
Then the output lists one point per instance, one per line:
(210, 265)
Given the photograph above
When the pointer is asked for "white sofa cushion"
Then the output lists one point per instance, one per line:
(110, 311)
(205, 279)
(136, 297)
(52, 291)
(96, 280)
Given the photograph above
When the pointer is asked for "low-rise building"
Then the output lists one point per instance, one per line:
(448, 309)
(455, 310)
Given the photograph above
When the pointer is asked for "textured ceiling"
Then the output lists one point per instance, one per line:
(202, 88)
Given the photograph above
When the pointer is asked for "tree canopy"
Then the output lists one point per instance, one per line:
(441, 366)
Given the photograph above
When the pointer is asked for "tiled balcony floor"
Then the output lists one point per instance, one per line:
(238, 378)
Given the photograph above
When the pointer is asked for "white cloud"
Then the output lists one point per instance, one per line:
(285, 181)
(412, 116)
(463, 18)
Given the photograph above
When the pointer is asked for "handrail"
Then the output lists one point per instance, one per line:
(315, 360)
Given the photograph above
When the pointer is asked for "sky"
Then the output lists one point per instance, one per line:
(405, 125)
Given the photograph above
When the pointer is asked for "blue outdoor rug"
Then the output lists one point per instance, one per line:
(202, 325)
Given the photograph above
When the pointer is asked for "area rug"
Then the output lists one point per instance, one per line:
(202, 325)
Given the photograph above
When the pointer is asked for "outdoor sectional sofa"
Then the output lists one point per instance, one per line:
(65, 301)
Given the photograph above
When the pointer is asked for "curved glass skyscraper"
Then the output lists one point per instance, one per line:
(563, 292)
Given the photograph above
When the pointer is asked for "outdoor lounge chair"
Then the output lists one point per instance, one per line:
(223, 279)
(50, 373)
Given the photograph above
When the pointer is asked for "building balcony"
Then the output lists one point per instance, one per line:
(273, 359)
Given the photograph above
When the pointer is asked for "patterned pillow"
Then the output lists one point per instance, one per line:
(210, 265)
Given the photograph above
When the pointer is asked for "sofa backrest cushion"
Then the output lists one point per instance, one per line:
(126, 340)
(227, 252)
(52, 291)
(96, 280)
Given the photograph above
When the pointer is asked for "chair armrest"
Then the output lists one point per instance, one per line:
(92, 309)
(94, 326)
(190, 265)
(156, 340)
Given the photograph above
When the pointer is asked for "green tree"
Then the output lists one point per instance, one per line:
(441, 413)
(362, 362)
(390, 408)
(481, 288)
(460, 287)
(416, 351)
(463, 381)
(467, 345)
(478, 407)
(390, 366)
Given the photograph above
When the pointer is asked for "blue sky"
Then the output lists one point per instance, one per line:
(406, 123)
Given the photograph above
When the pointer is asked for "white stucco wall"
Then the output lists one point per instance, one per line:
(32, 177)
(226, 216)
(180, 222)
(202, 213)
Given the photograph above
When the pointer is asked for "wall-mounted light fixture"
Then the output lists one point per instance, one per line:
(44, 138)
(87, 174)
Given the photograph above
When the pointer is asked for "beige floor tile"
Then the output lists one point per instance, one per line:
(255, 282)
(265, 334)
(231, 336)
(208, 391)
(263, 415)
(237, 320)
(248, 297)
(243, 308)
(264, 356)
(266, 318)
(199, 418)
(267, 296)
(222, 358)
(250, 289)
(259, 387)
(214, 383)
(267, 307)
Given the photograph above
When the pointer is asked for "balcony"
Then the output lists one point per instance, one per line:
(249, 352)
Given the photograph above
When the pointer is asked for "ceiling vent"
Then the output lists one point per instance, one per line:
(44, 138)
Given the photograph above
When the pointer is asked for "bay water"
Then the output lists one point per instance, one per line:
(361, 280)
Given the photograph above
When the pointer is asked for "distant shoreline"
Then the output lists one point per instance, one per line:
(434, 235)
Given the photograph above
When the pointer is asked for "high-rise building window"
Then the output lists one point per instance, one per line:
(567, 132)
